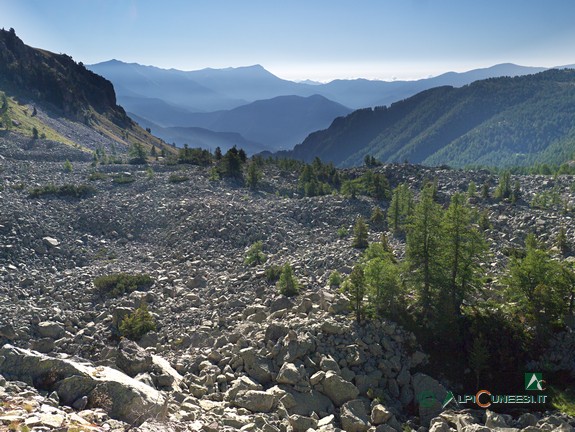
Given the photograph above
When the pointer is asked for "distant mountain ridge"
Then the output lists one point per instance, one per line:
(498, 122)
(256, 104)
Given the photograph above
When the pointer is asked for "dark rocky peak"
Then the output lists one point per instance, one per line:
(56, 79)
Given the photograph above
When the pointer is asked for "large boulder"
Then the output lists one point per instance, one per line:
(306, 403)
(255, 400)
(256, 366)
(133, 359)
(337, 389)
(288, 374)
(50, 329)
(123, 397)
(353, 416)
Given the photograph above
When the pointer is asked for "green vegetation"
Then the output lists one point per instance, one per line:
(123, 178)
(97, 175)
(137, 324)
(273, 273)
(400, 208)
(253, 176)
(360, 234)
(178, 178)
(504, 122)
(195, 156)
(318, 178)
(288, 285)
(342, 232)
(118, 284)
(335, 279)
(369, 184)
(63, 191)
(68, 168)
(254, 255)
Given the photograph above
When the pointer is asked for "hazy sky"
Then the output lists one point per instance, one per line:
(303, 39)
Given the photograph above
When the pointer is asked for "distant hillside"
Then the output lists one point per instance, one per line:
(50, 92)
(276, 123)
(498, 122)
(209, 89)
(259, 106)
(200, 137)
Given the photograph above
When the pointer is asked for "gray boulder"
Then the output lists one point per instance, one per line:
(255, 400)
(123, 397)
(301, 423)
(288, 374)
(354, 417)
(337, 389)
(132, 359)
(50, 329)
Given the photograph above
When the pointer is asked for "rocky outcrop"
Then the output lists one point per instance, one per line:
(123, 397)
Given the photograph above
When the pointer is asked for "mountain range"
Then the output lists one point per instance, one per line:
(254, 103)
(505, 121)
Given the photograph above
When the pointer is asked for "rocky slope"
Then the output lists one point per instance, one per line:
(229, 351)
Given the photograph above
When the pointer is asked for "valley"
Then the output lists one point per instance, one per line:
(358, 282)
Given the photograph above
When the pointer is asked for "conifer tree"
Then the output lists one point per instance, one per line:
(463, 247)
(424, 243)
(360, 234)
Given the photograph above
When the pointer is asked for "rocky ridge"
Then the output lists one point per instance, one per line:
(229, 352)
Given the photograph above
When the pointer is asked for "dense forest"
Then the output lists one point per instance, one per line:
(500, 122)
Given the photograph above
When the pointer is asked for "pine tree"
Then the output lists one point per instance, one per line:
(253, 176)
(400, 208)
(288, 284)
(424, 243)
(383, 287)
(377, 218)
(503, 190)
(462, 250)
(355, 287)
(360, 234)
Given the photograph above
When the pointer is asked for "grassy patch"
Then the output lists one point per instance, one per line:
(563, 400)
(97, 175)
(118, 284)
(123, 179)
(63, 191)
(178, 178)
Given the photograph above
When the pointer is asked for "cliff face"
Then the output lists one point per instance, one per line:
(56, 79)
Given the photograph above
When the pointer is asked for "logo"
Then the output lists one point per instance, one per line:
(448, 398)
(534, 381)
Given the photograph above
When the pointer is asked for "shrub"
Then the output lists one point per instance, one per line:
(97, 175)
(137, 324)
(124, 178)
(335, 279)
(255, 256)
(68, 190)
(120, 283)
(178, 178)
(273, 273)
(68, 166)
(288, 284)
(342, 232)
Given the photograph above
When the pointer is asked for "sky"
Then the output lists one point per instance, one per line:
(319, 40)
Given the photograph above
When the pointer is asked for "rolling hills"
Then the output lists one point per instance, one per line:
(497, 122)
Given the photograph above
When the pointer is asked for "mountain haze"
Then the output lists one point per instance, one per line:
(498, 122)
